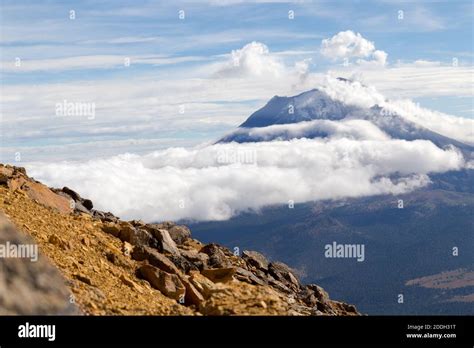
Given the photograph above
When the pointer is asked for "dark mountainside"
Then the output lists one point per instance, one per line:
(401, 245)
(116, 267)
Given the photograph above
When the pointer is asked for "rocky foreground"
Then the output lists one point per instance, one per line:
(116, 267)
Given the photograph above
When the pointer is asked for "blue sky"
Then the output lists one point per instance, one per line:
(180, 88)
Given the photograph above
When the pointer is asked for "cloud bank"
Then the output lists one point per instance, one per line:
(218, 181)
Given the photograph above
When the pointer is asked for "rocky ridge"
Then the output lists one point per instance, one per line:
(132, 267)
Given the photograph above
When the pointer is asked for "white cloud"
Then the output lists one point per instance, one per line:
(255, 60)
(356, 93)
(351, 129)
(425, 63)
(347, 44)
(91, 62)
(380, 57)
(208, 183)
(216, 95)
(424, 19)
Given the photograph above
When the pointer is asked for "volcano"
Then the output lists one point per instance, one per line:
(412, 241)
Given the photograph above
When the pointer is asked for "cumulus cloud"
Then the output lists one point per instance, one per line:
(253, 59)
(256, 60)
(347, 44)
(218, 181)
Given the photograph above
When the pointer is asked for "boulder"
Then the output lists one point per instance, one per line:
(30, 288)
(104, 216)
(135, 236)
(73, 194)
(155, 258)
(219, 275)
(179, 233)
(87, 203)
(255, 259)
(169, 284)
(320, 294)
(218, 256)
(165, 242)
(6, 173)
(248, 277)
(200, 260)
(279, 285)
(203, 284)
(111, 228)
(79, 207)
(182, 263)
(43, 195)
(16, 182)
(139, 224)
(192, 296)
(284, 274)
(163, 225)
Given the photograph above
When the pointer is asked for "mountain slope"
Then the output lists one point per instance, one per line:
(307, 106)
(115, 267)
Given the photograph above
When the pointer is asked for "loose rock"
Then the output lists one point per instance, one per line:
(169, 284)
(217, 256)
(219, 275)
(154, 258)
(179, 234)
(165, 242)
(255, 259)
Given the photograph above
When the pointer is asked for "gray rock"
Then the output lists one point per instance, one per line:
(134, 236)
(197, 258)
(320, 294)
(179, 234)
(284, 274)
(79, 207)
(109, 217)
(279, 285)
(248, 277)
(166, 225)
(165, 242)
(73, 194)
(98, 214)
(218, 256)
(255, 259)
(30, 288)
(182, 263)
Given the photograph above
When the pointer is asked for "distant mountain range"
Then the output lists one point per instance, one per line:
(421, 250)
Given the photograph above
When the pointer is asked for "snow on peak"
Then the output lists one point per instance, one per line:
(340, 99)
